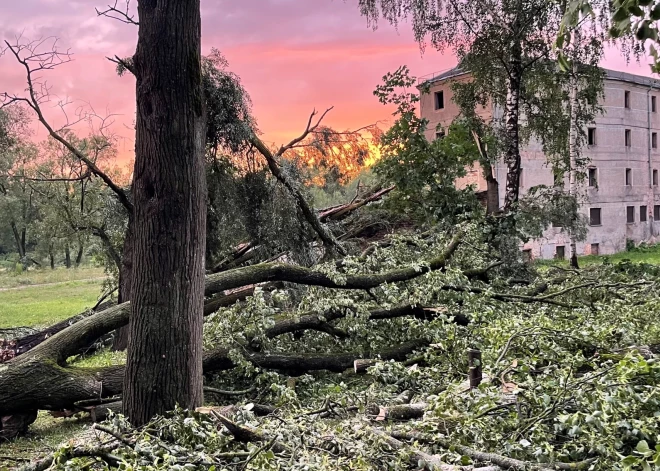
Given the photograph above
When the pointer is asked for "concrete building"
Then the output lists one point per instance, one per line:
(621, 194)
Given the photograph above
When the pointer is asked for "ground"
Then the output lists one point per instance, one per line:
(40, 298)
(43, 297)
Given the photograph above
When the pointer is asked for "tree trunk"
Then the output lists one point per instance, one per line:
(79, 255)
(573, 143)
(67, 256)
(51, 256)
(511, 119)
(20, 247)
(120, 341)
(492, 192)
(164, 360)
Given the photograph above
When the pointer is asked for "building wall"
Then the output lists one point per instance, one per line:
(609, 156)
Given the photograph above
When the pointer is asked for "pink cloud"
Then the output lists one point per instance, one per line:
(292, 55)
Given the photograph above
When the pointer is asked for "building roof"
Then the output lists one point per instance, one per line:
(609, 75)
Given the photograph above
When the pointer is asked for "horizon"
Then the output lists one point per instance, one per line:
(314, 56)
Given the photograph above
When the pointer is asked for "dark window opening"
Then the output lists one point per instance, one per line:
(653, 104)
(655, 178)
(642, 213)
(630, 214)
(439, 100)
(656, 212)
(594, 217)
(560, 252)
(593, 180)
(439, 134)
(626, 99)
(628, 177)
(654, 140)
(628, 138)
(595, 249)
(591, 136)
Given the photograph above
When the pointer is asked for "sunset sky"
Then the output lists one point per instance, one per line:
(292, 56)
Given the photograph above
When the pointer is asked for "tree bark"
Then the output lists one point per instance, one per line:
(164, 361)
(573, 142)
(120, 340)
(511, 120)
(52, 258)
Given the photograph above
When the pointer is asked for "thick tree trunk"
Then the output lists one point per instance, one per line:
(511, 121)
(164, 361)
(52, 258)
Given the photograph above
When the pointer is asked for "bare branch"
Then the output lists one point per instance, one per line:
(28, 54)
(116, 14)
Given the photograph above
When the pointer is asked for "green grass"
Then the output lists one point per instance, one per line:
(45, 305)
(45, 435)
(642, 254)
(12, 279)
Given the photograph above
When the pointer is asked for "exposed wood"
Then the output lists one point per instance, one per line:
(398, 411)
(475, 371)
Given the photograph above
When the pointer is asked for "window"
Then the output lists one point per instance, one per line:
(630, 214)
(628, 177)
(628, 138)
(655, 178)
(520, 178)
(642, 213)
(594, 217)
(591, 136)
(560, 252)
(626, 99)
(595, 249)
(656, 212)
(653, 104)
(439, 100)
(593, 180)
(654, 140)
(527, 255)
(439, 134)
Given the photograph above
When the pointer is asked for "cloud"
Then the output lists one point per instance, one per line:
(292, 55)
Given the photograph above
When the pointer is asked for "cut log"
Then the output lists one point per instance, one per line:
(360, 366)
(398, 412)
(246, 434)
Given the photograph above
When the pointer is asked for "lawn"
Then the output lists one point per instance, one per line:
(642, 254)
(41, 298)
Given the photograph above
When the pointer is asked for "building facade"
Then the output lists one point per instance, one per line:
(621, 193)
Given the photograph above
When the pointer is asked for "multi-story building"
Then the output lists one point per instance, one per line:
(622, 197)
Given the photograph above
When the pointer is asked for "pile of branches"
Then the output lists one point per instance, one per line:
(421, 349)
(554, 372)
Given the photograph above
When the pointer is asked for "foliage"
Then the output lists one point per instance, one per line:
(560, 383)
(424, 172)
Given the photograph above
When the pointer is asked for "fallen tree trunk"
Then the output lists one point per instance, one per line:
(335, 213)
(398, 411)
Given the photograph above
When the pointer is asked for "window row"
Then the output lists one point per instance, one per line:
(626, 101)
(439, 99)
(592, 177)
(631, 212)
(627, 138)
